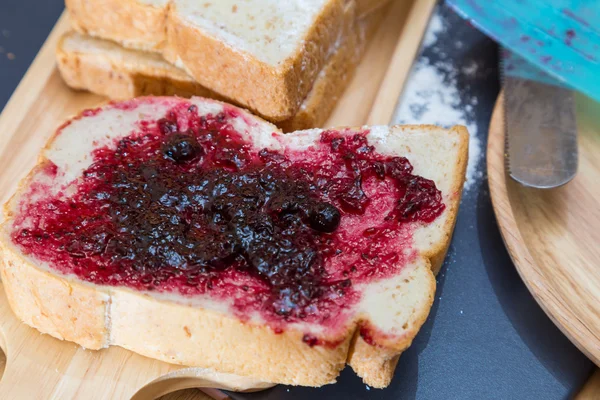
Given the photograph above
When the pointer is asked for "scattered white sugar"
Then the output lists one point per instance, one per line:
(428, 99)
(470, 69)
(436, 26)
(432, 96)
(368, 387)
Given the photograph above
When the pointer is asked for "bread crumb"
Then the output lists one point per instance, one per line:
(10, 56)
(187, 331)
(234, 8)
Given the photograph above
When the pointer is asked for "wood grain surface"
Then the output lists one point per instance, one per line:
(553, 236)
(41, 367)
(407, 46)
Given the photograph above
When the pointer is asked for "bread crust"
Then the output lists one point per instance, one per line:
(98, 316)
(99, 74)
(275, 92)
(437, 254)
(334, 78)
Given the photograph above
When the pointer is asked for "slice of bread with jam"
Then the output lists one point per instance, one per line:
(193, 232)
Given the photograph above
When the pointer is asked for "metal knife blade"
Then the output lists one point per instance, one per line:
(541, 133)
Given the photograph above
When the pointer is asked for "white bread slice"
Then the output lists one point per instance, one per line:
(108, 69)
(201, 331)
(266, 54)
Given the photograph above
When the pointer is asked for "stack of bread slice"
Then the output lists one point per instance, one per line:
(288, 62)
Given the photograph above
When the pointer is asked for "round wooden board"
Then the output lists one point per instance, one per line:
(553, 236)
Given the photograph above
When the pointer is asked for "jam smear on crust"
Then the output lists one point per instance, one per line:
(186, 204)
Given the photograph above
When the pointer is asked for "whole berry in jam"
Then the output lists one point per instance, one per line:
(167, 126)
(181, 147)
(324, 217)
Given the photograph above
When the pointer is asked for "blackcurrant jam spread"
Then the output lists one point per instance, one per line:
(199, 210)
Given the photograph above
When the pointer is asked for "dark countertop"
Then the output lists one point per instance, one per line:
(485, 338)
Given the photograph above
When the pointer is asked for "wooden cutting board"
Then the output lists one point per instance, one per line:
(553, 236)
(41, 367)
